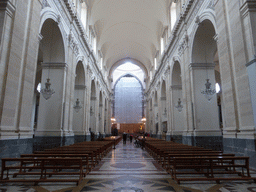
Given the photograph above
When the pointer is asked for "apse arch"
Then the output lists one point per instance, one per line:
(126, 60)
(128, 75)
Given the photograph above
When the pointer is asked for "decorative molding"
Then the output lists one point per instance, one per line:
(201, 65)
(54, 65)
(45, 4)
(7, 6)
(40, 37)
(216, 37)
(80, 87)
(248, 6)
(73, 44)
(176, 87)
(183, 45)
(211, 5)
(93, 98)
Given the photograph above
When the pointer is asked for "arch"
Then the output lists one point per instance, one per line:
(176, 74)
(80, 74)
(201, 40)
(48, 13)
(163, 89)
(93, 89)
(125, 60)
(128, 75)
(52, 42)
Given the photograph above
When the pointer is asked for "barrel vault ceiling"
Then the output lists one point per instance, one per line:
(128, 28)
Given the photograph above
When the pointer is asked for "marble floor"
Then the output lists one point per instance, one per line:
(131, 169)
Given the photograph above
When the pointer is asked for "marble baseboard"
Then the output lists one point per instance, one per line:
(241, 147)
(207, 142)
(79, 138)
(42, 143)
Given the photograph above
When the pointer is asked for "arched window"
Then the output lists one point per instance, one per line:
(83, 14)
(162, 45)
(173, 14)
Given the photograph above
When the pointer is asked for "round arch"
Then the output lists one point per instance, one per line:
(125, 60)
(128, 75)
(206, 16)
(48, 13)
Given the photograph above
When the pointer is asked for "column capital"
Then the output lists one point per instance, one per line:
(81, 87)
(176, 87)
(54, 65)
(202, 66)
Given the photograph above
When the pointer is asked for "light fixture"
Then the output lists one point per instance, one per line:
(77, 106)
(91, 111)
(179, 106)
(47, 91)
(113, 119)
(144, 119)
(208, 92)
(165, 111)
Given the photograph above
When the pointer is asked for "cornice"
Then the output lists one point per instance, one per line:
(7, 6)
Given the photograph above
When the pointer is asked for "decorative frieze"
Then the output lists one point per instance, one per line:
(183, 45)
(73, 44)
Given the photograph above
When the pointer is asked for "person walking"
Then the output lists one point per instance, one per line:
(124, 138)
(131, 138)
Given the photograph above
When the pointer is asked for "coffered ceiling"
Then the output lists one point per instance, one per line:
(128, 28)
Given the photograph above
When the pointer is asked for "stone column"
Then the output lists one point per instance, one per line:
(206, 132)
(50, 118)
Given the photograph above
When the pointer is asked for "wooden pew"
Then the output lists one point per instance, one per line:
(44, 167)
(212, 165)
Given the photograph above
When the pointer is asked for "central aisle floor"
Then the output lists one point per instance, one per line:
(131, 169)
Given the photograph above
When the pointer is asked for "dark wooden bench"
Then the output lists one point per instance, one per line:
(43, 167)
(211, 167)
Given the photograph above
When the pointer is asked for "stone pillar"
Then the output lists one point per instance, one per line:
(205, 112)
(79, 116)
(50, 118)
(93, 115)
(251, 69)
(177, 117)
(101, 119)
(206, 132)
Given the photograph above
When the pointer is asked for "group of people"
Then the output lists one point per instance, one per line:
(125, 135)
